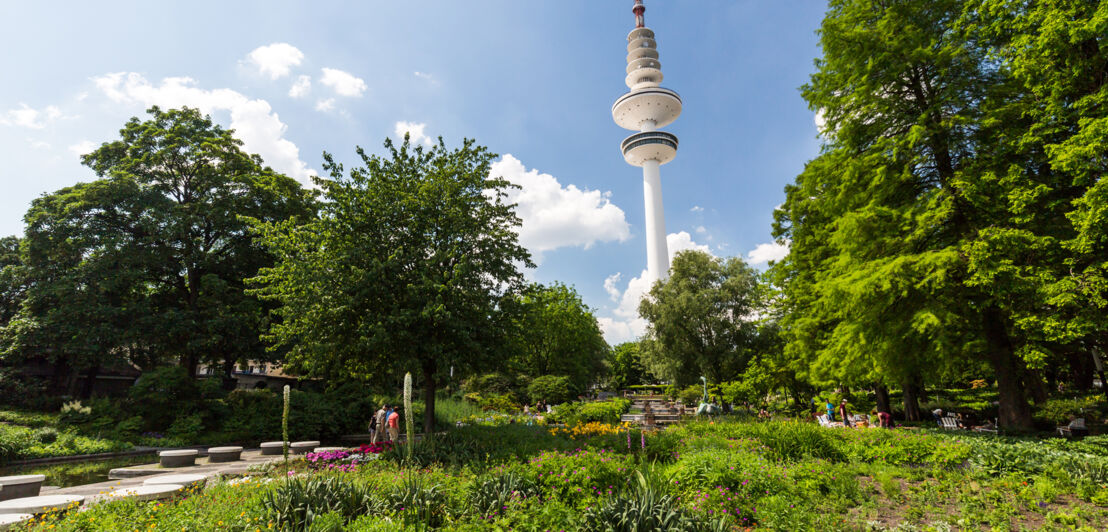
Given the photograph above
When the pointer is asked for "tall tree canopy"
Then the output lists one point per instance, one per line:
(557, 334)
(150, 259)
(702, 319)
(934, 229)
(406, 268)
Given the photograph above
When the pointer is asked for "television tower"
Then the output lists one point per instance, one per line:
(646, 108)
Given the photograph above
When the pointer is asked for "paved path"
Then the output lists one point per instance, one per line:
(135, 475)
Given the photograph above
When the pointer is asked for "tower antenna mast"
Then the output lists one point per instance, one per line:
(646, 108)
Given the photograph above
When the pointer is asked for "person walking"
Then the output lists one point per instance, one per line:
(379, 425)
(394, 426)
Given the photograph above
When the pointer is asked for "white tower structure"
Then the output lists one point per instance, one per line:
(646, 108)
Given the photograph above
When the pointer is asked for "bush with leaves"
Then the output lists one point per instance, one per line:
(297, 502)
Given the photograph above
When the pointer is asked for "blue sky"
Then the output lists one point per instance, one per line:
(533, 81)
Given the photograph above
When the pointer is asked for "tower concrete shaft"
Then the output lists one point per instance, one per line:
(646, 108)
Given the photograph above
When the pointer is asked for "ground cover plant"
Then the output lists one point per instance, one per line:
(726, 474)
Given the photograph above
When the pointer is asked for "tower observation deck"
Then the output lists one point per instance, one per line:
(646, 108)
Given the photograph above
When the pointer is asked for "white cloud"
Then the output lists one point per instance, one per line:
(610, 286)
(625, 324)
(556, 216)
(301, 88)
(700, 229)
(325, 105)
(764, 253)
(343, 83)
(424, 76)
(29, 117)
(38, 144)
(254, 120)
(415, 132)
(276, 60)
(677, 242)
(697, 208)
(83, 147)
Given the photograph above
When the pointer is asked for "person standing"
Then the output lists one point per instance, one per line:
(845, 414)
(830, 411)
(394, 426)
(379, 425)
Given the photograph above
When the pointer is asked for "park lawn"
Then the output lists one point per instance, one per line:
(727, 475)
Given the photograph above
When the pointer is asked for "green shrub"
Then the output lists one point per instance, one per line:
(608, 411)
(644, 506)
(295, 504)
(1057, 411)
(74, 413)
(550, 389)
(578, 474)
(491, 496)
(489, 384)
(499, 403)
(419, 501)
(186, 427)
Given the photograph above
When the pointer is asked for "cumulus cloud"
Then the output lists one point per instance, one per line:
(82, 148)
(764, 253)
(697, 208)
(343, 83)
(700, 229)
(30, 117)
(254, 120)
(325, 105)
(275, 60)
(556, 216)
(625, 324)
(611, 286)
(416, 132)
(301, 88)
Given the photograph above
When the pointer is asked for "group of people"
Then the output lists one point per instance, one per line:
(884, 419)
(540, 408)
(385, 425)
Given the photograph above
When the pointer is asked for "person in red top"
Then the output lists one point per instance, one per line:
(886, 419)
(394, 426)
(845, 414)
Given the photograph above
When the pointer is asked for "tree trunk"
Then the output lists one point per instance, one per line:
(428, 398)
(1014, 412)
(90, 382)
(1081, 370)
(1034, 381)
(881, 393)
(911, 402)
(229, 383)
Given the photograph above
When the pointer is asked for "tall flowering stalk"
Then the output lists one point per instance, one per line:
(408, 412)
(285, 426)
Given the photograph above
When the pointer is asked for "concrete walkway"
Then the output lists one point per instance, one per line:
(135, 475)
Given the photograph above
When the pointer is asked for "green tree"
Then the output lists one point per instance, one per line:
(13, 283)
(626, 367)
(409, 264)
(557, 334)
(937, 227)
(149, 261)
(703, 319)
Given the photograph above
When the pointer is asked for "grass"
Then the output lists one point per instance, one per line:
(726, 475)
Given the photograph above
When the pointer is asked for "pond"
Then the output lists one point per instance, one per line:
(67, 474)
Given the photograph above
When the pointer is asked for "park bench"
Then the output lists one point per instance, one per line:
(949, 423)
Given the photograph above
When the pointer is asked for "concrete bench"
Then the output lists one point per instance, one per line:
(224, 454)
(10, 521)
(186, 479)
(153, 492)
(41, 504)
(20, 486)
(270, 448)
(302, 447)
(179, 458)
